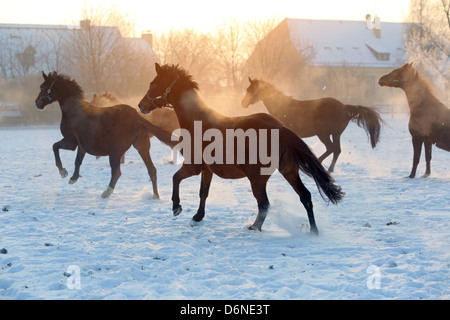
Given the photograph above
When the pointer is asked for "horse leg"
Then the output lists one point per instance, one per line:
(328, 145)
(259, 192)
(336, 151)
(305, 197)
(62, 144)
(428, 146)
(185, 171)
(204, 191)
(417, 147)
(143, 147)
(78, 161)
(114, 162)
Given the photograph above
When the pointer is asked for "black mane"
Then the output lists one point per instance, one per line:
(184, 77)
(66, 86)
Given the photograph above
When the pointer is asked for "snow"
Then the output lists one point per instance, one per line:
(388, 239)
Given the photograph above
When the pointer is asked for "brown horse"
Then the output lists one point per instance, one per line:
(173, 86)
(106, 99)
(429, 121)
(163, 118)
(321, 117)
(98, 131)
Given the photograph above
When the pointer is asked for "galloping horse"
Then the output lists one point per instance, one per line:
(163, 118)
(98, 131)
(321, 117)
(173, 86)
(429, 121)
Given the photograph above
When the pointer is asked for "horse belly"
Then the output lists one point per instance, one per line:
(227, 171)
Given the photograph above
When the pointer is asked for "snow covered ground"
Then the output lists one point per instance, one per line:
(388, 239)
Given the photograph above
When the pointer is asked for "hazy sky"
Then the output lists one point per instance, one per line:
(203, 15)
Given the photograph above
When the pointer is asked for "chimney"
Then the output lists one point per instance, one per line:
(148, 36)
(377, 27)
(369, 23)
(85, 24)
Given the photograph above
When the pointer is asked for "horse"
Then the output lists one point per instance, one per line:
(98, 131)
(174, 87)
(320, 117)
(163, 118)
(429, 121)
(106, 99)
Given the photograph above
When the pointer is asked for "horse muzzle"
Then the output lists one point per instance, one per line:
(39, 104)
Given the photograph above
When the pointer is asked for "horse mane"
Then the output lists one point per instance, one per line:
(426, 84)
(184, 77)
(275, 91)
(69, 87)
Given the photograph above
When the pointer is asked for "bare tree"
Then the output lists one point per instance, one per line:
(230, 49)
(96, 50)
(274, 54)
(188, 48)
(428, 39)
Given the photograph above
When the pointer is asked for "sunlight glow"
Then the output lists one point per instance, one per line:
(202, 15)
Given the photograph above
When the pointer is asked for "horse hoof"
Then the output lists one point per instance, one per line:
(314, 232)
(71, 181)
(198, 218)
(155, 197)
(177, 211)
(107, 192)
(63, 173)
(253, 227)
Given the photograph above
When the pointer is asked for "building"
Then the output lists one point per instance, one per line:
(342, 59)
(99, 58)
(27, 49)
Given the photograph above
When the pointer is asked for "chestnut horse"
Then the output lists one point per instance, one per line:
(174, 86)
(98, 131)
(429, 121)
(321, 117)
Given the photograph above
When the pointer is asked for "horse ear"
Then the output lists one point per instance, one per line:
(44, 75)
(157, 68)
(250, 80)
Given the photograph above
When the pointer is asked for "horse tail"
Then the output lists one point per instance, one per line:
(161, 134)
(368, 119)
(310, 165)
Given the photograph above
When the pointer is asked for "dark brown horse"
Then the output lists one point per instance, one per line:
(321, 117)
(163, 118)
(173, 86)
(429, 121)
(98, 131)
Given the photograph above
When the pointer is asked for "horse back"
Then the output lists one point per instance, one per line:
(310, 117)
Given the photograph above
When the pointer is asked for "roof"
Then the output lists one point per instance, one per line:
(350, 42)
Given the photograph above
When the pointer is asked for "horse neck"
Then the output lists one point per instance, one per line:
(275, 101)
(190, 107)
(72, 107)
(417, 93)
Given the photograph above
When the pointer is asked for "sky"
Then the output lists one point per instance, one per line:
(202, 15)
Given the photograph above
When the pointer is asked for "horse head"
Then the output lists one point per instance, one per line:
(255, 92)
(398, 76)
(46, 94)
(157, 95)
